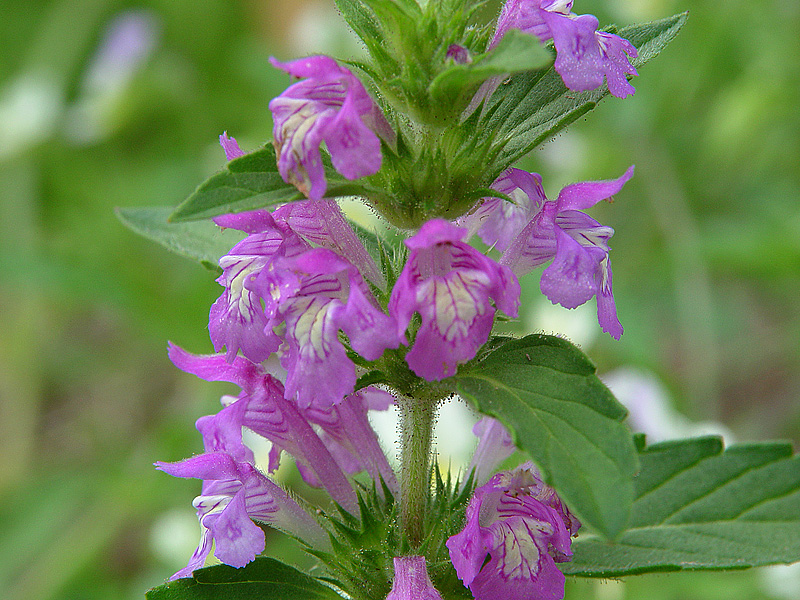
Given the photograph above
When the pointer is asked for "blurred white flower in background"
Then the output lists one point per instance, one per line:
(781, 582)
(578, 325)
(30, 106)
(650, 409)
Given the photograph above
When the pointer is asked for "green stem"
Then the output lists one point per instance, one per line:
(416, 430)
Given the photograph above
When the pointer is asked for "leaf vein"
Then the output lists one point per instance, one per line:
(713, 490)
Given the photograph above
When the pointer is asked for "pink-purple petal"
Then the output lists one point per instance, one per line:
(606, 307)
(230, 146)
(516, 530)
(467, 548)
(319, 371)
(534, 245)
(263, 409)
(450, 285)
(570, 279)
(237, 320)
(577, 246)
(348, 434)
(497, 221)
(369, 330)
(580, 196)
(223, 432)
(494, 446)
(355, 149)
(615, 51)
(322, 223)
(254, 221)
(214, 367)
(578, 58)
(585, 57)
(327, 295)
(237, 538)
(411, 580)
(317, 66)
(214, 465)
(234, 493)
(199, 556)
(329, 105)
(527, 579)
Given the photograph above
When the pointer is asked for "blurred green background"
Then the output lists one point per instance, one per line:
(105, 103)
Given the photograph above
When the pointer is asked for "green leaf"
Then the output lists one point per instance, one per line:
(362, 21)
(396, 16)
(516, 52)
(246, 183)
(261, 579)
(532, 107)
(252, 181)
(545, 391)
(698, 507)
(202, 241)
(373, 377)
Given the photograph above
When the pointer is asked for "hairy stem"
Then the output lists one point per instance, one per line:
(416, 427)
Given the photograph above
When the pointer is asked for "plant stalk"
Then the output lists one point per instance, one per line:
(417, 416)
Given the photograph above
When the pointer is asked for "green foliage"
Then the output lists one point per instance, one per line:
(200, 240)
(260, 579)
(443, 519)
(409, 44)
(364, 24)
(545, 391)
(361, 561)
(440, 166)
(516, 52)
(246, 183)
(698, 507)
(252, 181)
(445, 158)
(532, 107)
(364, 549)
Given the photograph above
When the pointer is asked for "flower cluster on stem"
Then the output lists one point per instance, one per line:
(307, 319)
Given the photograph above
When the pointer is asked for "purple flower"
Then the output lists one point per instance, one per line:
(411, 581)
(325, 442)
(584, 56)
(230, 146)
(330, 105)
(347, 433)
(450, 285)
(322, 223)
(458, 54)
(516, 530)
(262, 408)
(234, 493)
(281, 294)
(237, 319)
(497, 221)
(494, 446)
(316, 294)
(576, 243)
(615, 64)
